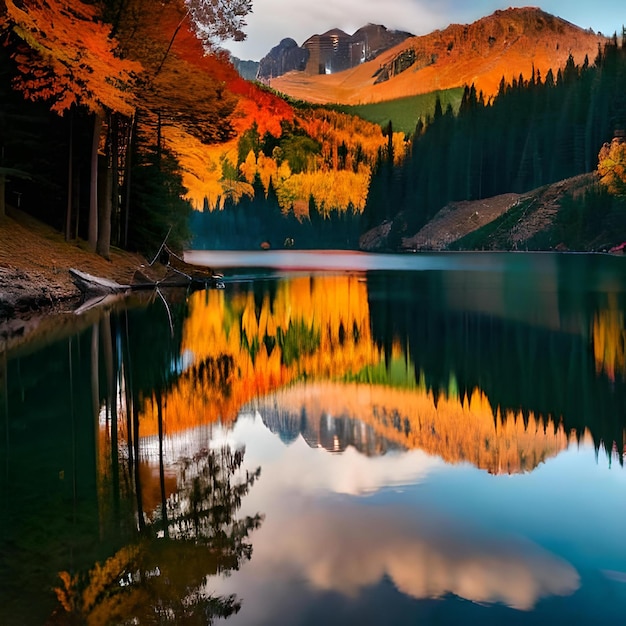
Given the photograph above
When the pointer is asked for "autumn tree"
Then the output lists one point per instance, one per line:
(612, 166)
(64, 55)
(181, 91)
(68, 54)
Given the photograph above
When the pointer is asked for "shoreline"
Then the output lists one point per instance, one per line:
(35, 282)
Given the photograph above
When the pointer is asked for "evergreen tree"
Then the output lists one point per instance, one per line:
(533, 133)
(160, 211)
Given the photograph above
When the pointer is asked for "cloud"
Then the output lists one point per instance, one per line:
(317, 530)
(349, 473)
(273, 20)
(347, 548)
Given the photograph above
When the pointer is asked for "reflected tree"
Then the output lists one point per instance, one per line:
(161, 577)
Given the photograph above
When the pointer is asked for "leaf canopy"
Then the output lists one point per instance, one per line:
(64, 54)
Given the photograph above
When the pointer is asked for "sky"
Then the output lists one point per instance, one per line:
(273, 20)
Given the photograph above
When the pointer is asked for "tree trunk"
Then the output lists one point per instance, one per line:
(76, 201)
(93, 189)
(115, 181)
(70, 184)
(3, 179)
(2, 191)
(103, 244)
(128, 180)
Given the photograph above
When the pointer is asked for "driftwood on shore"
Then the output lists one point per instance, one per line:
(89, 284)
(178, 274)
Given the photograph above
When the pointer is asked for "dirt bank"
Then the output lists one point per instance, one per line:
(34, 277)
(529, 214)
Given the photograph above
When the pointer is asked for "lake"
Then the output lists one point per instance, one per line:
(330, 438)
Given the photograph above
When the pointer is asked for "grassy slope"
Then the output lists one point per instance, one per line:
(404, 112)
(542, 219)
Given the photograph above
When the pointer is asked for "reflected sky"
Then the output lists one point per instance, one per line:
(431, 529)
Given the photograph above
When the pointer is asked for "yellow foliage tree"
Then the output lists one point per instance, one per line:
(612, 166)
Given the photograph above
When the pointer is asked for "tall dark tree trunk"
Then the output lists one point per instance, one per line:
(93, 189)
(70, 183)
(105, 182)
(115, 181)
(128, 180)
(2, 192)
(103, 245)
(76, 201)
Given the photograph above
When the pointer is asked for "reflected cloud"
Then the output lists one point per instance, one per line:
(346, 545)
(350, 473)
(348, 548)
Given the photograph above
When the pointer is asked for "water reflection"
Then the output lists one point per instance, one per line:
(501, 394)
(161, 576)
(609, 340)
(425, 558)
(374, 418)
(345, 525)
(378, 406)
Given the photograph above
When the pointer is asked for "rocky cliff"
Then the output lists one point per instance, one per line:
(330, 52)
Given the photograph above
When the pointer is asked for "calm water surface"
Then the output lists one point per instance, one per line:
(330, 439)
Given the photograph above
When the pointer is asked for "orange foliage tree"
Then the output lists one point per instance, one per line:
(64, 55)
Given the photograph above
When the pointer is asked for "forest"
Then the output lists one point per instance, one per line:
(98, 139)
(92, 115)
(536, 131)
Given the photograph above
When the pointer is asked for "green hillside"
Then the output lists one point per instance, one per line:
(404, 112)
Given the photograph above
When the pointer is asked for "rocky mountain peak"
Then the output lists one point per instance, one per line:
(330, 52)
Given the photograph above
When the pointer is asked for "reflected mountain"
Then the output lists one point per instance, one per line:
(375, 418)
(320, 428)
(524, 342)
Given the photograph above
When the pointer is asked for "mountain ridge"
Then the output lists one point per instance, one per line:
(329, 52)
(505, 44)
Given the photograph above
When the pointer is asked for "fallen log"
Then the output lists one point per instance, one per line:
(181, 275)
(90, 285)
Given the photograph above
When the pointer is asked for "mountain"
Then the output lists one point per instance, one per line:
(503, 44)
(285, 57)
(330, 52)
